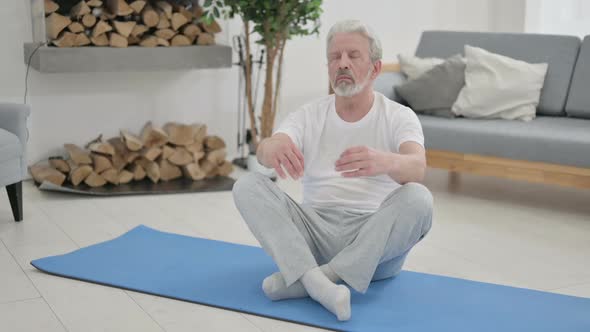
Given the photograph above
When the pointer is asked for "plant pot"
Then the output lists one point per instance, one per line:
(255, 166)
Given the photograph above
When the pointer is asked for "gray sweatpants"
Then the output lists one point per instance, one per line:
(359, 247)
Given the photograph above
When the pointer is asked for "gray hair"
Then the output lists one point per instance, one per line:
(350, 26)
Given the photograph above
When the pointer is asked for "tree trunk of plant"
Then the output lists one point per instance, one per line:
(249, 87)
(283, 41)
(267, 125)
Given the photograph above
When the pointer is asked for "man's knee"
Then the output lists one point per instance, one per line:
(417, 194)
(247, 184)
(419, 204)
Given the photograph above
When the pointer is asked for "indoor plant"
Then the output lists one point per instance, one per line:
(271, 23)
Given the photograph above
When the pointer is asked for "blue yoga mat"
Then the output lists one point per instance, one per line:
(229, 276)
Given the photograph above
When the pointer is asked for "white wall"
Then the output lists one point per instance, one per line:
(507, 15)
(77, 107)
(564, 17)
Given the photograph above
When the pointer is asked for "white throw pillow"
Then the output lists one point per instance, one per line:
(497, 86)
(414, 66)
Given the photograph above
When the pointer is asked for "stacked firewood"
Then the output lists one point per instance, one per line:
(118, 23)
(160, 154)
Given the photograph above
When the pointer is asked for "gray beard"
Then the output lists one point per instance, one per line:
(351, 89)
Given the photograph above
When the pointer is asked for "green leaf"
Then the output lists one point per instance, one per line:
(206, 19)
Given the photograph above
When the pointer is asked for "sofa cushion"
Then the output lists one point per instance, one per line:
(435, 91)
(556, 140)
(413, 66)
(559, 52)
(10, 146)
(578, 101)
(499, 87)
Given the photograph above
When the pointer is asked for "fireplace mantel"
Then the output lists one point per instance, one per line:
(135, 58)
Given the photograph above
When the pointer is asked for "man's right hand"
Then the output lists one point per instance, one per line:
(279, 150)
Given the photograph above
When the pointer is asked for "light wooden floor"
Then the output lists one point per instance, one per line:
(497, 231)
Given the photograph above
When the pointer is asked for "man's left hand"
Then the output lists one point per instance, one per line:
(365, 161)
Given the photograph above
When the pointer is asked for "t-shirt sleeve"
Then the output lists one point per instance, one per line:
(293, 125)
(408, 128)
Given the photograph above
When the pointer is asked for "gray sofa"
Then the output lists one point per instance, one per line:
(561, 132)
(13, 167)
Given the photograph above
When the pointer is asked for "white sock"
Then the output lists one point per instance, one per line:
(276, 289)
(335, 298)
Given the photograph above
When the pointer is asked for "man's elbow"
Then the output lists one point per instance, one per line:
(419, 172)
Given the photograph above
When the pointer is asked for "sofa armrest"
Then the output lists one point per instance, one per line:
(13, 117)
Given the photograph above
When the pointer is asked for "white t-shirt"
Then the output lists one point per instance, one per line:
(321, 135)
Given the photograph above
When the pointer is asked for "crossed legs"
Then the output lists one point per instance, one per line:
(296, 236)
